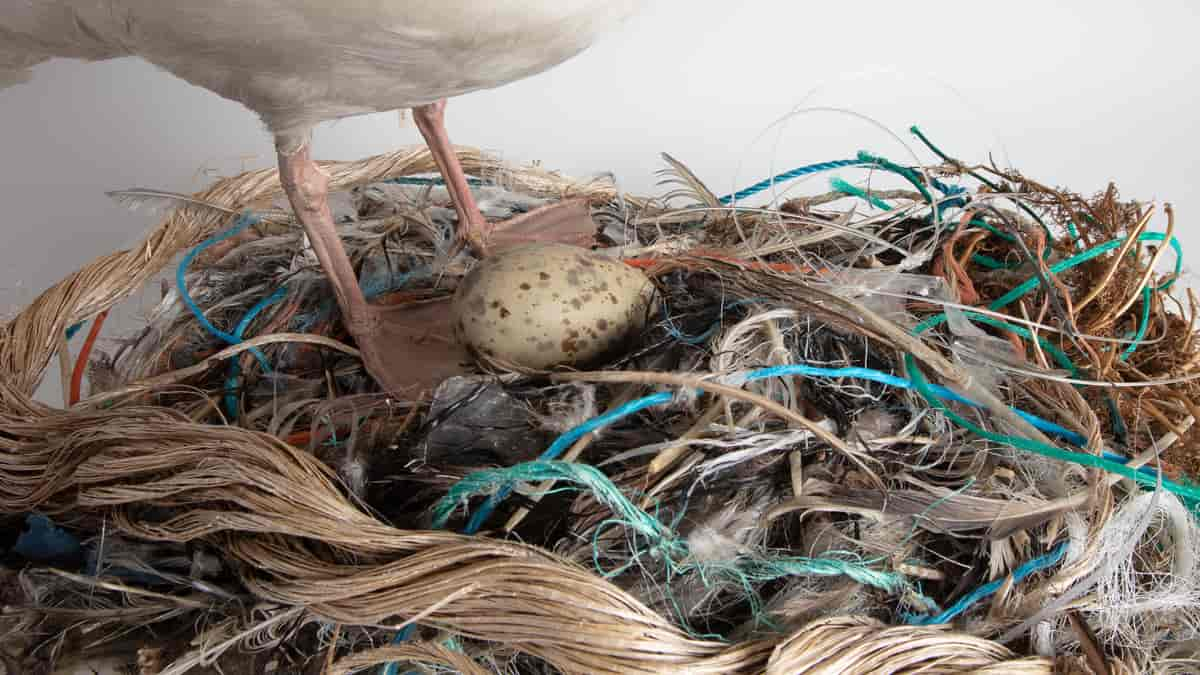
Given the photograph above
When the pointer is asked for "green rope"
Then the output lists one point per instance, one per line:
(1074, 261)
(1189, 493)
(842, 186)
(663, 543)
(977, 176)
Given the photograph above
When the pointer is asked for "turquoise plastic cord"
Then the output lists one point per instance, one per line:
(1146, 476)
(1038, 423)
(977, 176)
(419, 181)
(449, 503)
(555, 451)
(1190, 494)
(1020, 574)
(1074, 261)
(765, 185)
(1090, 254)
(842, 186)
(446, 506)
(235, 368)
(243, 221)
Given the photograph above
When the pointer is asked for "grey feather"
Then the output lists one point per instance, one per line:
(136, 199)
(932, 508)
(689, 184)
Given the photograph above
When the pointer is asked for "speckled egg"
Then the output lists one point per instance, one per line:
(546, 305)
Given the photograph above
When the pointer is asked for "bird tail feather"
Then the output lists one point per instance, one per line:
(15, 67)
(10, 78)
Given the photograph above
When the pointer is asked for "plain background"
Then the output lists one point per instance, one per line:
(1072, 93)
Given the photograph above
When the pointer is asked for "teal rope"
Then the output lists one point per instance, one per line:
(1074, 261)
(1190, 494)
(555, 450)
(418, 181)
(842, 186)
(1020, 574)
(235, 368)
(766, 184)
(663, 542)
(243, 221)
(974, 174)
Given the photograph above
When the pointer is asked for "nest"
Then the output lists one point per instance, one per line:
(938, 419)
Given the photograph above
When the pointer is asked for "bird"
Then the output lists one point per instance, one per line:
(299, 63)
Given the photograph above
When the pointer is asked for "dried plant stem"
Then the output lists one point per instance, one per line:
(64, 369)
(670, 454)
(1157, 414)
(780, 411)
(333, 646)
(202, 366)
(572, 454)
(1115, 311)
(1117, 260)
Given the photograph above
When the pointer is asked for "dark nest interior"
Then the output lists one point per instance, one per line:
(933, 418)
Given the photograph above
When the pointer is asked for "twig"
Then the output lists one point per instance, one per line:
(332, 652)
(64, 368)
(174, 376)
(1111, 314)
(571, 455)
(730, 392)
(1087, 640)
(670, 454)
(796, 467)
(1118, 258)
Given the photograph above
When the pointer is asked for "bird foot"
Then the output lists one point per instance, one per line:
(566, 222)
(409, 349)
(412, 349)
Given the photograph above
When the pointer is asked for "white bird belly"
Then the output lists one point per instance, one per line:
(300, 62)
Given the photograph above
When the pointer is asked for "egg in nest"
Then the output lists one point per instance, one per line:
(541, 306)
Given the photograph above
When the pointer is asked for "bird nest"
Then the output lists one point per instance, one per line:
(932, 419)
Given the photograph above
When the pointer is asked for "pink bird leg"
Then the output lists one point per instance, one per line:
(565, 222)
(410, 349)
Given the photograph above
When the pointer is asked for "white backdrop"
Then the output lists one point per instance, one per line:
(1074, 93)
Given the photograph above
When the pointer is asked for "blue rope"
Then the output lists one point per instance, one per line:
(74, 329)
(679, 335)
(791, 175)
(899, 382)
(235, 368)
(566, 440)
(1030, 567)
(560, 446)
(1038, 423)
(243, 221)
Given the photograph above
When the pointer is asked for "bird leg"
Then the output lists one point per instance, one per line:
(431, 121)
(307, 188)
(411, 348)
(406, 349)
(568, 221)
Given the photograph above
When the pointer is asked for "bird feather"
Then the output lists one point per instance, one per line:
(136, 199)
(690, 185)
